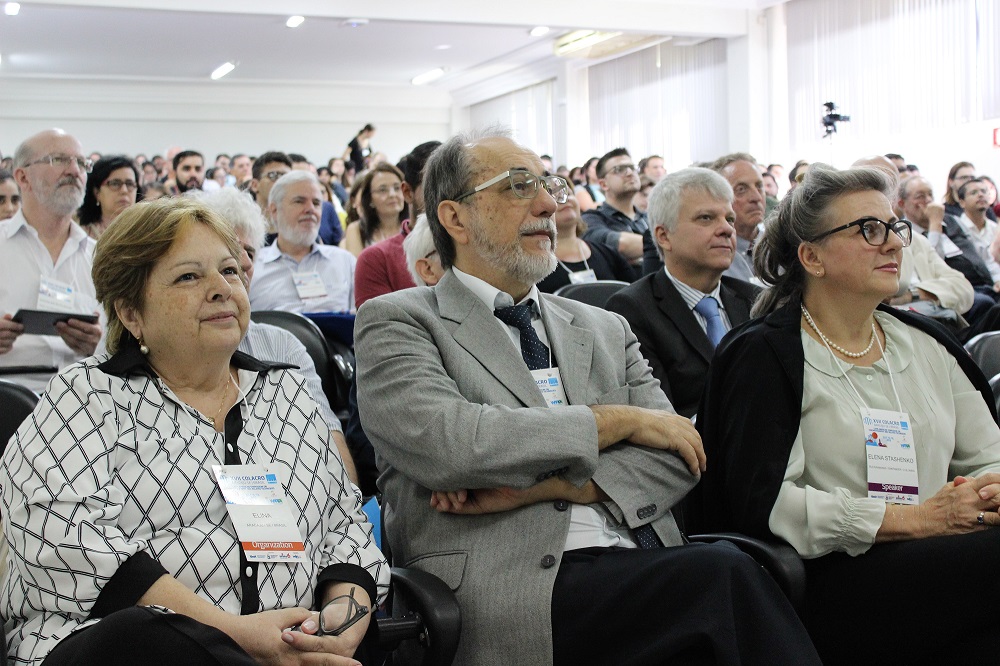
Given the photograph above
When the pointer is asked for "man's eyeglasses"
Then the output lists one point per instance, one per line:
(63, 161)
(116, 184)
(274, 175)
(524, 185)
(622, 169)
(875, 231)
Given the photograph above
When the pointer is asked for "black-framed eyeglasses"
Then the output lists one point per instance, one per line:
(62, 161)
(117, 184)
(524, 185)
(274, 175)
(875, 231)
(338, 615)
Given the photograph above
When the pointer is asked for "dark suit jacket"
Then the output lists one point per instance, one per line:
(670, 337)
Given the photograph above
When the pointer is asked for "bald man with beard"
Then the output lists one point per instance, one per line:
(47, 260)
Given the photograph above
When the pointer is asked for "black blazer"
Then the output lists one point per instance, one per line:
(670, 337)
(750, 415)
(969, 263)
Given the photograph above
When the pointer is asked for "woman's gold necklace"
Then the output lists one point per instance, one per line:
(222, 404)
(834, 345)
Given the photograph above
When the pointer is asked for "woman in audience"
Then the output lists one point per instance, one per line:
(580, 261)
(360, 148)
(113, 498)
(382, 209)
(10, 196)
(863, 436)
(588, 193)
(112, 186)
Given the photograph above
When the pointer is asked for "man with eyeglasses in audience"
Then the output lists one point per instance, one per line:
(529, 458)
(616, 223)
(267, 169)
(46, 259)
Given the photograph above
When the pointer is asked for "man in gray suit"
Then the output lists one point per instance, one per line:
(529, 458)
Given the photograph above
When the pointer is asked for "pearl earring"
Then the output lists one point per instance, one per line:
(143, 349)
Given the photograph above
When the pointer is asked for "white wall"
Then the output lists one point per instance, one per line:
(214, 117)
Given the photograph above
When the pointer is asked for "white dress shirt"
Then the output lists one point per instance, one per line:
(25, 260)
(273, 286)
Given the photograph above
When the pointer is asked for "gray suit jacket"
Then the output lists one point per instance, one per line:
(449, 404)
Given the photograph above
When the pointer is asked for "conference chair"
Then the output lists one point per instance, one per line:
(16, 403)
(985, 351)
(333, 369)
(592, 293)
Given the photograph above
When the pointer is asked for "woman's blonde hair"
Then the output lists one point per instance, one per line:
(131, 246)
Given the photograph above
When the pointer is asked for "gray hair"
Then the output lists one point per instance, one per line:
(238, 209)
(905, 185)
(724, 161)
(802, 215)
(417, 245)
(665, 200)
(447, 175)
(277, 194)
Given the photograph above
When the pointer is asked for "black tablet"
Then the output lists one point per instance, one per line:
(43, 322)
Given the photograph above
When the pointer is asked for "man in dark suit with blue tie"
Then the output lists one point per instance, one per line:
(680, 312)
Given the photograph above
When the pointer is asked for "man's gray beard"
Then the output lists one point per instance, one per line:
(64, 200)
(297, 236)
(518, 264)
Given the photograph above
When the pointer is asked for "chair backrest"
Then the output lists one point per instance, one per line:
(995, 385)
(592, 293)
(985, 351)
(16, 404)
(308, 333)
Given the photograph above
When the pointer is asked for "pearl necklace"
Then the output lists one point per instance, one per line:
(834, 345)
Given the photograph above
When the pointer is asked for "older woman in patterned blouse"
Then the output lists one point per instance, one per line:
(110, 492)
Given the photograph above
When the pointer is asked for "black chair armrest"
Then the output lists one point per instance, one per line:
(432, 616)
(779, 559)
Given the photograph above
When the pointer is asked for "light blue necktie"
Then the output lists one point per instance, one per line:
(708, 308)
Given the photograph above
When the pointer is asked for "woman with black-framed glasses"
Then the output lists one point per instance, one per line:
(112, 186)
(862, 435)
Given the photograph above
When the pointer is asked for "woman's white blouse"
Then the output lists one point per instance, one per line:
(108, 466)
(823, 503)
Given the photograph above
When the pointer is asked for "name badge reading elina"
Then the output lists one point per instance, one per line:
(261, 513)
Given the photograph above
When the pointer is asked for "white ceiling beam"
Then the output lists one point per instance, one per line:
(720, 18)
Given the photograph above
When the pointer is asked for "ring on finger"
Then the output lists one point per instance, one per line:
(981, 518)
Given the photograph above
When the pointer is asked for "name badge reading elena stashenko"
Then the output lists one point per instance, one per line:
(891, 456)
(261, 513)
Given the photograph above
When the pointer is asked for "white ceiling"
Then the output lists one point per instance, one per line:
(184, 40)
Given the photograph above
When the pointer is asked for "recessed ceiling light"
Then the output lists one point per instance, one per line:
(539, 31)
(427, 77)
(222, 70)
(354, 22)
(12, 8)
(295, 21)
(442, 47)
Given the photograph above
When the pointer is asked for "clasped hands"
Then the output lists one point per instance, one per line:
(651, 428)
(955, 509)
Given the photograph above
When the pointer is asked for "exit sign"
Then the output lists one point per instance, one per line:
(996, 137)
